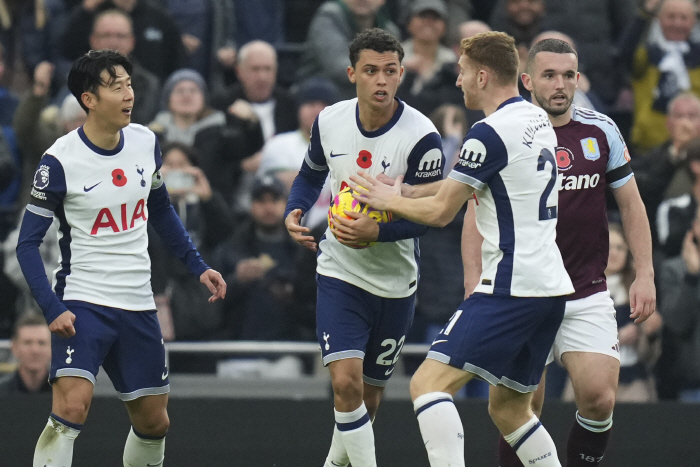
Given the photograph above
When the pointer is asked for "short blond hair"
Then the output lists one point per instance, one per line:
(495, 51)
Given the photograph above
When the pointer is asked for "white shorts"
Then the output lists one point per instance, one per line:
(589, 325)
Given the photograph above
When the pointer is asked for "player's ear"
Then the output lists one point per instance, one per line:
(527, 81)
(351, 74)
(88, 99)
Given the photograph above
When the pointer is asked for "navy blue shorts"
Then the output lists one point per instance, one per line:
(353, 323)
(128, 345)
(502, 339)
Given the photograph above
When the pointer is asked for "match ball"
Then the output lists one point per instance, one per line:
(344, 201)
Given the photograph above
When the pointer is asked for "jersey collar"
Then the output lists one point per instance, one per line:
(379, 131)
(512, 100)
(99, 150)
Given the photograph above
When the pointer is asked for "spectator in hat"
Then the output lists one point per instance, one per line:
(187, 118)
(424, 54)
(261, 260)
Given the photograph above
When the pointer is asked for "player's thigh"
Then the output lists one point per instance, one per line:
(72, 397)
(589, 325)
(137, 363)
(594, 377)
(96, 330)
(343, 319)
(435, 376)
(391, 322)
(149, 414)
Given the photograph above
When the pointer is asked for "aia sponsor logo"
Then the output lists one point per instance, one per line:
(565, 159)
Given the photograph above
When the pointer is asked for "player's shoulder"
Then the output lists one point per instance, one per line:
(139, 131)
(66, 146)
(597, 119)
(337, 114)
(515, 116)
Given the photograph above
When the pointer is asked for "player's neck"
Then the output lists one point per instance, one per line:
(373, 119)
(498, 96)
(101, 135)
(560, 120)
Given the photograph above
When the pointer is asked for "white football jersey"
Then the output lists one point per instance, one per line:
(99, 199)
(407, 145)
(509, 158)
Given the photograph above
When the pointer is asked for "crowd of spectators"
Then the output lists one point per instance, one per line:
(232, 87)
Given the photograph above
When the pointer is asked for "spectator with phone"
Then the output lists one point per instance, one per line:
(208, 221)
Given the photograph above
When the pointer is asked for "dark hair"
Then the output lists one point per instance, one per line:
(190, 152)
(556, 46)
(27, 319)
(85, 73)
(496, 51)
(374, 39)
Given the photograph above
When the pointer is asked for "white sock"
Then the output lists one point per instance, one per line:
(55, 445)
(337, 455)
(533, 445)
(358, 436)
(141, 451)
(441, 428)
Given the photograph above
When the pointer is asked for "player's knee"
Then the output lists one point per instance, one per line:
(347, 387)
(154, 426)
(597, 405)
(73, 409)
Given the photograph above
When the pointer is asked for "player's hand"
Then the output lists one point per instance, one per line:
(63, 325)
(406, 190)
(368, 189)
(215, 283)
(642, 298)
(297, 232)
(360, 228)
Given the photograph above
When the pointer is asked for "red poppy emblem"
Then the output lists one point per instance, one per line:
(118, 177)
(564, 158)
(364, 159)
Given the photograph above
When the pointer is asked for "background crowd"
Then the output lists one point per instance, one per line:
(232, 88)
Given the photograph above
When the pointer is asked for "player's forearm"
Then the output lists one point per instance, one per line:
(426, 210)
(420, 191)
(636, 227)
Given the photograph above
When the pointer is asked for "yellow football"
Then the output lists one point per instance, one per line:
(344, 201)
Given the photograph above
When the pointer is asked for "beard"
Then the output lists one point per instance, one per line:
(551, 110)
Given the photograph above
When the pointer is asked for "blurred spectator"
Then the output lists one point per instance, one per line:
(260, 263)
(38, 125)
(189, 120)
(679, 365)
(522, 19)
(31, 347)
(596, 26)
(297, 18)
(468, 29)
(158, 45)
(8, 100)
(457, 12)
(424, 54)
(208, 221)
(261, 20)
(283, 154)
(29, 33)
(451, 123)
(638, 352)
(661, 173)
(665, 64)
(113, 30)
(675, 215)
(256, 97)
(8, 165)
(334, 26)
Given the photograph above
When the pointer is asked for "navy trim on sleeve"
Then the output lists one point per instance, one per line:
(31, 235)
(426, 162)
(158, 154)
(49, 186)
(315, 154)
(170, 229)
(306, 189)
(482, 157)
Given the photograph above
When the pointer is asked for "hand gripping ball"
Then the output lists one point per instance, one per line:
(344, 201)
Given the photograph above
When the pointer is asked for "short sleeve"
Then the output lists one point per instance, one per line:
(618, 170)
(49, 186)
(426, 161)
(315, 157)
(483, 155)
(157, 178)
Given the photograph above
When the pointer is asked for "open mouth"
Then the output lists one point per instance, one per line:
(127, 110)
(559, 99)
(381, 95)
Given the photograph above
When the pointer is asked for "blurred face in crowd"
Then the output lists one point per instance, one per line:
(364, 7)
(618, 253)
(267, 210)
(257, 70)
(186, 99)
(32, 348)
(552, 81)
(677, 18)
(427, 26)
(377, 77)
(683, 120)
(175, 159)
(126, 5)
(308, 111)
(112, 31)
(525, 12)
